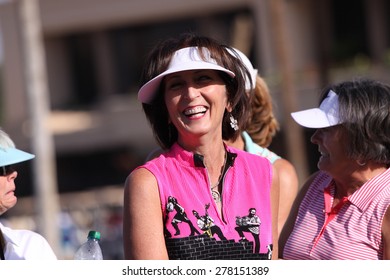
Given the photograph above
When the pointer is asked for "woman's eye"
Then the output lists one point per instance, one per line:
(204, 78)
(174, 85)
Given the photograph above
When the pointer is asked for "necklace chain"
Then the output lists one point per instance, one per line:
(214, 188)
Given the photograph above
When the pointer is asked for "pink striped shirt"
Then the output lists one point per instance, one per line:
(355, 232)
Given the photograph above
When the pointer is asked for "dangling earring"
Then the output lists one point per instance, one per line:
(233, 122)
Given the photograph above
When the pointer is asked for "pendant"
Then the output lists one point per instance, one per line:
(216, 196)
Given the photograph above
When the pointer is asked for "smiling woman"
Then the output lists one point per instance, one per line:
(343, 210)
(183, 90)
(193, 95)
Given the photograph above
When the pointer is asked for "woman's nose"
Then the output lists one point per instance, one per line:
(315, 136)
(192, 92)
(13, 175)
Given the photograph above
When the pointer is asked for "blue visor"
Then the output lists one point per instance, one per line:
(10, 156)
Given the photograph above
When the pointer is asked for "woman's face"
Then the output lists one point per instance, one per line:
(196, 101)
(7, 191)
(332, 145)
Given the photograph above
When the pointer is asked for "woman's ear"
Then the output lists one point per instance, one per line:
(229, 108)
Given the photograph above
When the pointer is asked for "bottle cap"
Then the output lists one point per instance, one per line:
(94, 234)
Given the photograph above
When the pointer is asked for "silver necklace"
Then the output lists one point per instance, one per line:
(216, 195)
(214, 188)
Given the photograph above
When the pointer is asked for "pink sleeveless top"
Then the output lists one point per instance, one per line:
(193, 227)
(354, 233)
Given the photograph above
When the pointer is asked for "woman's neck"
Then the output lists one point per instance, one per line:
(347, 185)
(239, 143)
(213, 152)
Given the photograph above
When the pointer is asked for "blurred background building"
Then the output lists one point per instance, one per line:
(93, 53)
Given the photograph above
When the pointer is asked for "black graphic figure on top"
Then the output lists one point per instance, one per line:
(167, 234)
(180, 216)
(206, 223)
(250, 223)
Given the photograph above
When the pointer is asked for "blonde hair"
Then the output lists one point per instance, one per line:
(262, 124)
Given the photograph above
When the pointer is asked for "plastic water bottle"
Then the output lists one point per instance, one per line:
(90, 250)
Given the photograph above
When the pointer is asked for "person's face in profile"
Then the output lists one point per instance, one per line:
(7, 188)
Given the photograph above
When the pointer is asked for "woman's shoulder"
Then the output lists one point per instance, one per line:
(32, 244)
(286, 170)
(140, 175)
(22, 235)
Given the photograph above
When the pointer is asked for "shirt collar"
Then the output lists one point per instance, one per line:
(370, 189)
(362, 197)
(9, 237)
(196, 160)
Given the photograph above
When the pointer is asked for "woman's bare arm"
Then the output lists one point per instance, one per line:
(143, 235)
(288, 190)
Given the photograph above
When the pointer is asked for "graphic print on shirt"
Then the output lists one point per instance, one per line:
(213, 241)
(207, 225)
(180, 217)
(251, 224)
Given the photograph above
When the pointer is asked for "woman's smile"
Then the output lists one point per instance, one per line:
(195, 112)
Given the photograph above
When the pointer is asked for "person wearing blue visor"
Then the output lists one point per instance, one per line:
(16, 244)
